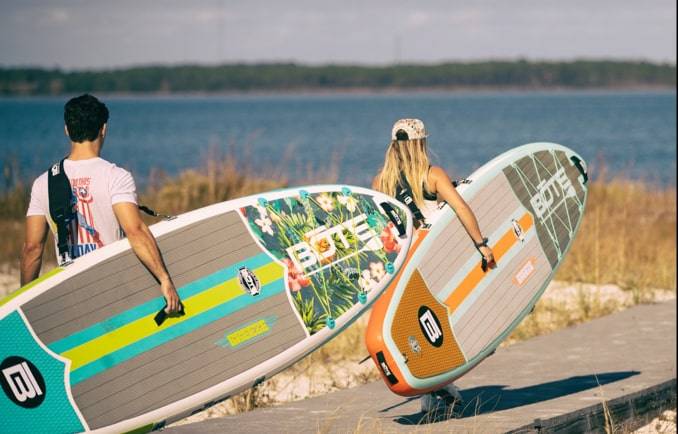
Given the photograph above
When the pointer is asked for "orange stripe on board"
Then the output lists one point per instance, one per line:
(472, 279)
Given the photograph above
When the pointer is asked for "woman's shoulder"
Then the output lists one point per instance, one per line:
(437, 176)
(437, 172)
(375, 182)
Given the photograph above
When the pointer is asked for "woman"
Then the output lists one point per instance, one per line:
(408, 176)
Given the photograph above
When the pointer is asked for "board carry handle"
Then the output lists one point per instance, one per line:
(153, 213)
(580, 168)
(459, 181)
(161, 316)
(395, 219)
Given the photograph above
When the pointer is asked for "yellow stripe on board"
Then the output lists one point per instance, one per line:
(144, 327)
(477, 274)
(248, 332)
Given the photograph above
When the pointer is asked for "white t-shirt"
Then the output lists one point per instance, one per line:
(97, 186)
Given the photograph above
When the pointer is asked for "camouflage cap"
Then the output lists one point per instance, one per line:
(414, 128)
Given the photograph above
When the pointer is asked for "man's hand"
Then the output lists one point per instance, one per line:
(171, 297)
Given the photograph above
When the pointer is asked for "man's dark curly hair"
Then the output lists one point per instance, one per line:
(84, 116)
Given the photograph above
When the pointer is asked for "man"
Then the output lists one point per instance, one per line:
(105, 202)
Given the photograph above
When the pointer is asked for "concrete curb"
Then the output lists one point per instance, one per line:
(627, 412)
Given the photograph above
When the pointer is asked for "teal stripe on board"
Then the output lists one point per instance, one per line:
(154, 305)
(177, 330)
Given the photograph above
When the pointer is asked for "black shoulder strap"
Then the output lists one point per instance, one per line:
(404, 195)
(60, 206)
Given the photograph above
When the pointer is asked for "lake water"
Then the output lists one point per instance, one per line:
(633, 133)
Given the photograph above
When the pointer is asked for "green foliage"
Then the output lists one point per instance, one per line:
(276, 77)
(305, 306)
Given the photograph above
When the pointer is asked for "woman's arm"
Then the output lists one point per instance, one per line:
(443, 187)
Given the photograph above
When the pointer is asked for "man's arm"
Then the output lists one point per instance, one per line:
(143, 243)
(34, 245)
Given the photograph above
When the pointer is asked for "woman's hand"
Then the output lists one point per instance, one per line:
(486, 251)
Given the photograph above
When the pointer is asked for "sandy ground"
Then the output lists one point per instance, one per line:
(664, 424)
(9, 280)
(308, 378)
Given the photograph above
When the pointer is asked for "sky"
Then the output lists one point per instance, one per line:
(90, 34)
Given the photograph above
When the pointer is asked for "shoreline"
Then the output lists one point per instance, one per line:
(367, 91)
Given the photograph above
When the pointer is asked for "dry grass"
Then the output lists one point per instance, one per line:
(218, 181)
(627, 237)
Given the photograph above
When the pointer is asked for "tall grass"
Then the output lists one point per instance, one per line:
(627, 237)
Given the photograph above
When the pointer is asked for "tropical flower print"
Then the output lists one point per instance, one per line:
(321, 246)
(295, 278)
(262, 210)
(309, 236)
(349, 202)
(366, 282)
(377, 270)
(326, 202)
(276, 218)
(265, 224)
(389, 239)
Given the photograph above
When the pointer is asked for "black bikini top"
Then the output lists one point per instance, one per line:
(430, 196)
(404, 195)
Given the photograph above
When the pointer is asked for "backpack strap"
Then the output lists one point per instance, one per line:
(60, 207)
(404, 195)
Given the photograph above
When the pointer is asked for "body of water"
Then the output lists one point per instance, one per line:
(633, 133)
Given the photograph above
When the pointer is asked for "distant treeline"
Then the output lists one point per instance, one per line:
(285, 77)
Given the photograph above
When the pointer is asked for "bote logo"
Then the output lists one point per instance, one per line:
(430, 326)
(320, 245)
(22, 382)
(551, 193)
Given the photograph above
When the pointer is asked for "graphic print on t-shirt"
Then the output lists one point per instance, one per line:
(83, 237)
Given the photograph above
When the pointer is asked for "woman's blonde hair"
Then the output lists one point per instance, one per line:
(410, 158)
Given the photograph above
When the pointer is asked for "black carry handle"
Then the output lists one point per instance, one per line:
(459, 181)
(580, 168)
(394, 217)
(153, 213)
(161, 316)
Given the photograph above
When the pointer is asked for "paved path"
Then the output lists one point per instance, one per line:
(542, 378)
